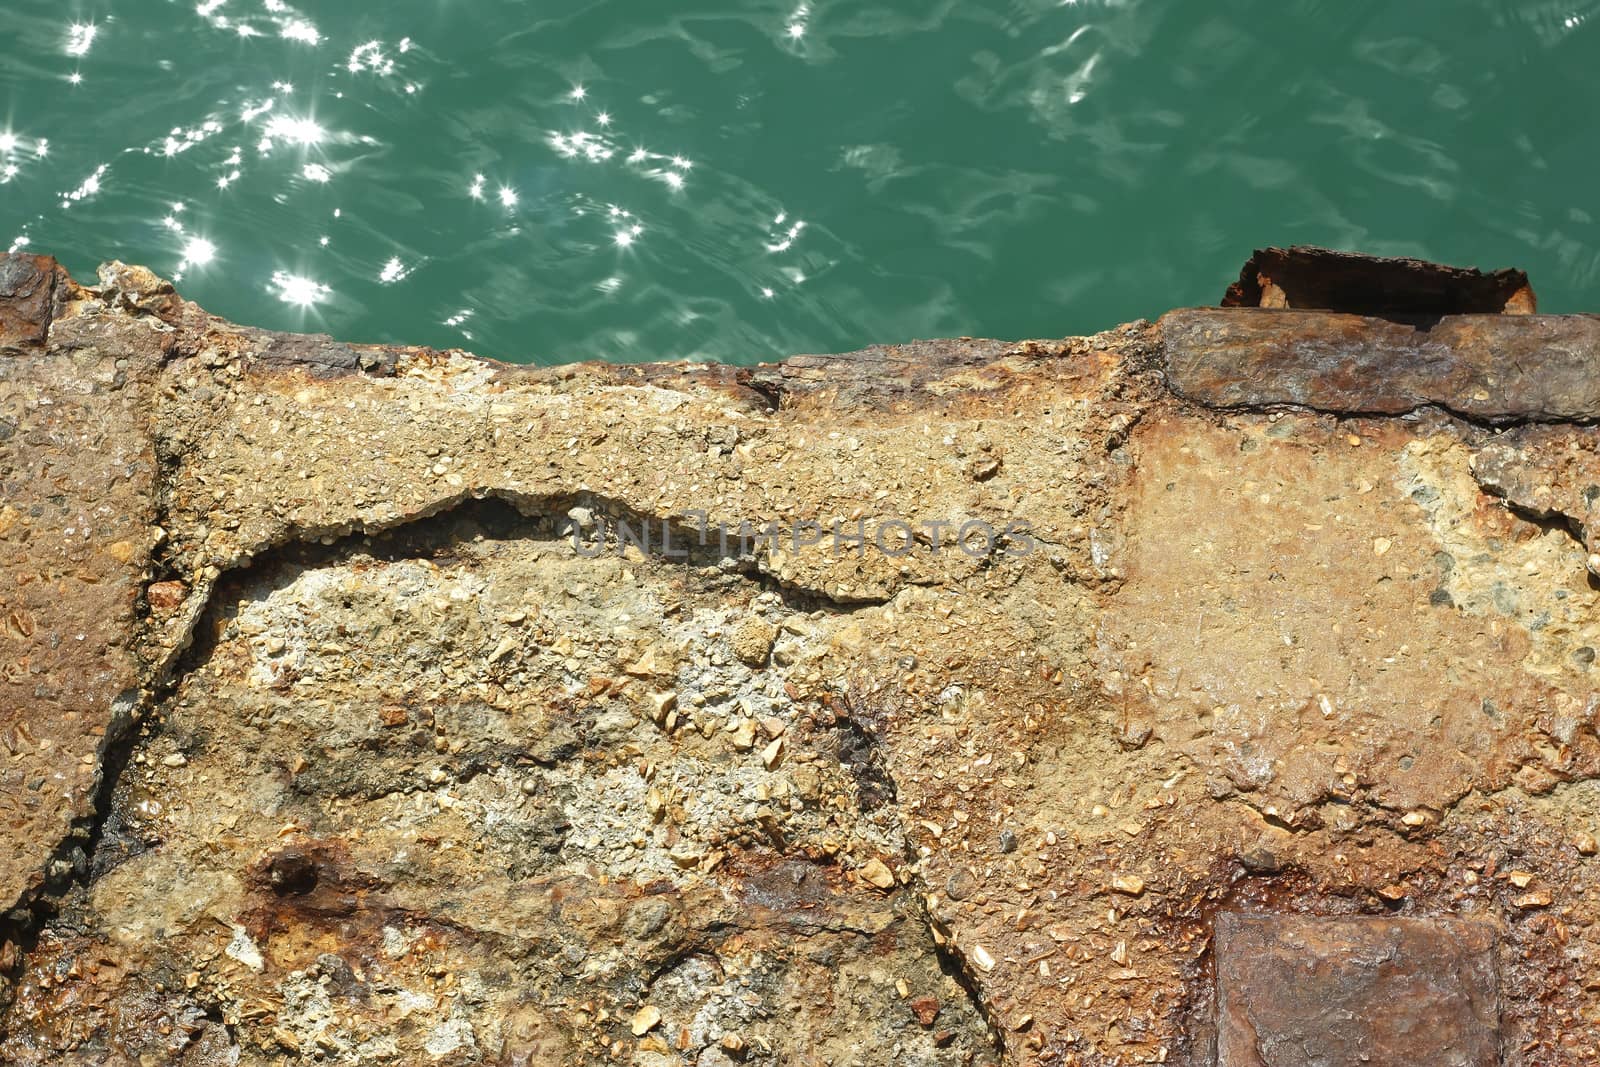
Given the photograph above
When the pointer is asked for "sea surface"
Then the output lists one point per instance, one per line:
(554, 180)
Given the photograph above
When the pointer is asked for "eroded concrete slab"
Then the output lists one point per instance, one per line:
(77, 525)
(411, 757)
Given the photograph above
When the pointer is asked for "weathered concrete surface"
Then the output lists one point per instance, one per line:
(427, 770)
(77, 511)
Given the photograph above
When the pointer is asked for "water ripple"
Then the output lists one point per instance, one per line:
(621, 180)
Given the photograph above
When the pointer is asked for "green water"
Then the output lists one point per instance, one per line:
(621, 179)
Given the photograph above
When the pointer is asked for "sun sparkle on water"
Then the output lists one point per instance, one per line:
(80, 35)
(299, 30)
(300, 131)
(299, 290)
(198, 252)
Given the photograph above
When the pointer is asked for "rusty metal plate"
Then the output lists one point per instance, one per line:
(1494, 368)
(1302, 991)
(26, 286)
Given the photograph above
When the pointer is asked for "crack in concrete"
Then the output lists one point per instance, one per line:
(76, 862)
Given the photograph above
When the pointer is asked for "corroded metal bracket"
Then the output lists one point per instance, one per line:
(1309, 278)
(1359, 335)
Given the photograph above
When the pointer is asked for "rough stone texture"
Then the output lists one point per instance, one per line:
(1549, 474)
(420, 759)
(77, 495)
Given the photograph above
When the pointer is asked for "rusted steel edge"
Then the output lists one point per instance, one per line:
(1310, 278)
(1495, 369)
(29, 288)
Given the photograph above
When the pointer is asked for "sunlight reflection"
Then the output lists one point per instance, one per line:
(592, 148)
(598, 147)
(797, 23)
(197, 252)
(90, 186)
(301, 131)
(299, 30)
(299, 290)
(455, 321)
(370, 56)
(181, 140)
(258, 42)
(392, 271)
(80, 35)
(782, 241)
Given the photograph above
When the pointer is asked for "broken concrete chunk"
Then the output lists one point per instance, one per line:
(875, 873)
(752, 642)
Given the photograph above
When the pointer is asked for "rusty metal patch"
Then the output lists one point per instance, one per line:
(27, 284)
(1492, 368)
(1304, 991)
